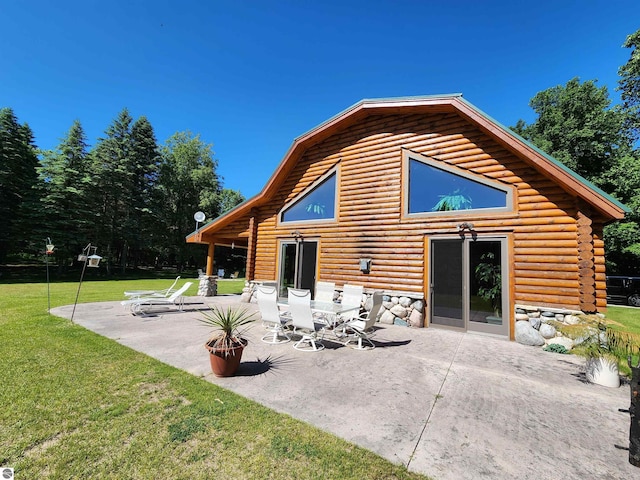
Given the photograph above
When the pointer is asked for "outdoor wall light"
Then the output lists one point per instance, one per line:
(365, 265)
(465, 225)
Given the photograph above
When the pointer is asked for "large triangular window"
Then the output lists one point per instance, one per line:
(318, 203)
(436, 188)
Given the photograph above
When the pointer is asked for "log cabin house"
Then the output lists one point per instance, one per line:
(426, 198)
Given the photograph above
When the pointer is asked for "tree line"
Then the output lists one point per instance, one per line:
(578, 125)
(135, 199)
(130, 197)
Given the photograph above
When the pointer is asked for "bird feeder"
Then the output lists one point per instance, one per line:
(93, 260)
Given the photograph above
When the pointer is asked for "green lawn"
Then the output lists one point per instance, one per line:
(79, 406)
(624, 318)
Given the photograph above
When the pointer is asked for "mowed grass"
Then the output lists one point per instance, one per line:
(625, 319)
(79, 406)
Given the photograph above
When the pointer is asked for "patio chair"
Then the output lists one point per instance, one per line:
(361, 328)
(303, 322)
(324, 292)
(272, 318)
(177, 298)
(152, 293)
(352, 297)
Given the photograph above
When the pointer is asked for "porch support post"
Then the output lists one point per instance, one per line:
(251, 247)
(210, 259)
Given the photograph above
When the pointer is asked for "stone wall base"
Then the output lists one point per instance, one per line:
(538, 326)
(208, 286)
(397, 309)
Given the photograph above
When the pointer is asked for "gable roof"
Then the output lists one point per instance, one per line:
(450, 103)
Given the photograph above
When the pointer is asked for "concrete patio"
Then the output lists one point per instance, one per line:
(447, 404)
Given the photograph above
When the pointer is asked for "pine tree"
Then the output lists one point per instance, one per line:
(64, 194)
(112, 186)
(18, 178)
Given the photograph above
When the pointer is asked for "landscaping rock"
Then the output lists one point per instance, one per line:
(522, 316)
(571, 320)
(535, 322)
(387, 317)
(401, 322)
(527, 335)
(416, 319)
(548, 314)
(399, 311)
(419, 305)
(564, 341)
(559, 317)
(405, 302)
(547, 331)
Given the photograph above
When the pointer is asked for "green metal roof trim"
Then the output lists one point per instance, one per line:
(374, 100)
(458, 96)
(558, 163)
(221, 216)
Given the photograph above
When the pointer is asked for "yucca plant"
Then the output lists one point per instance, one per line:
(229, 324)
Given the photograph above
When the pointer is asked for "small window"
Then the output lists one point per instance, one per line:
(317, 204)
(438, 189)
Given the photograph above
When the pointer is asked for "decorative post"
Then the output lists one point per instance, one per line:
(49, 250)
(634, 428)
(93, 261)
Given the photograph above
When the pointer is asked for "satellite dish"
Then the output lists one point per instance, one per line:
(199, 216)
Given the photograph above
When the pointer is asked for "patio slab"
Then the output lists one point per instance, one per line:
(447, 404)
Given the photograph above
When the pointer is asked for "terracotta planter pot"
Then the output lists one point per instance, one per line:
(225, 363)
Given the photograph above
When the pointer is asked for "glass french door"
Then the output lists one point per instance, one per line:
(468, 284)
(297, 267)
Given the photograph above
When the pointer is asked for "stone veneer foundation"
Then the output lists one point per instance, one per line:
(534, 324)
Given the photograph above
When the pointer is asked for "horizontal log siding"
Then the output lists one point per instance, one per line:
(370, 224)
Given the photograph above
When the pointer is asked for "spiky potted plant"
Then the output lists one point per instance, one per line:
(604, 349)
(226, 343)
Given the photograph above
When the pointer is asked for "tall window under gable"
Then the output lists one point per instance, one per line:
(319, 203)
(434, 189)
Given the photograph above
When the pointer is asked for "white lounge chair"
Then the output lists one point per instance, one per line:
(152, 293)
(177, 298)
(272, 318)
(303, 323)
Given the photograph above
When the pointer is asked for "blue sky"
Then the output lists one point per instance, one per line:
(251, 76)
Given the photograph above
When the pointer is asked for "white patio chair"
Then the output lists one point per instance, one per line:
(272, 318)
(177, 298)
(324, 292)
(303, 322)
(361, 328)
(152, 293)
(351, 297)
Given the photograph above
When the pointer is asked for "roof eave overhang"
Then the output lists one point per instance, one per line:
(607, 205)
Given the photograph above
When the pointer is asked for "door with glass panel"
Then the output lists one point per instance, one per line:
(297, 267)
(468, 283)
